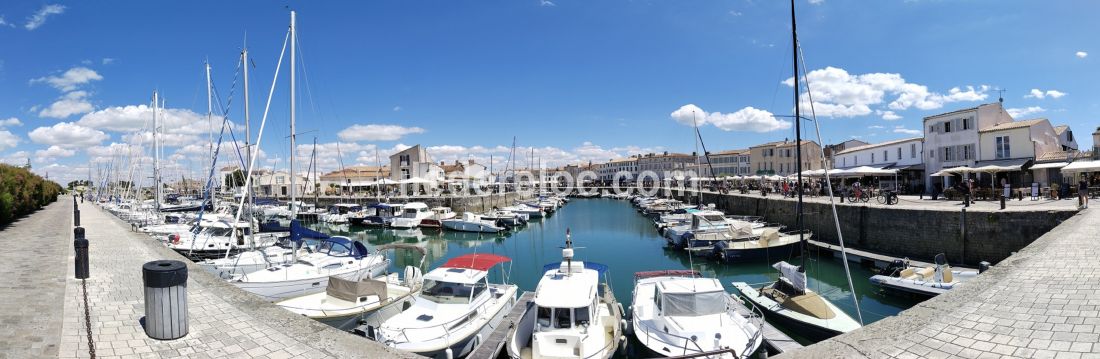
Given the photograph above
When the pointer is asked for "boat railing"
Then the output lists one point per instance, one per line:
(447, 326)
(647, 329)
(756, 318)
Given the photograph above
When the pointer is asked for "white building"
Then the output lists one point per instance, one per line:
(277, 184)
(725, 164)
(1065, 137)
(904, 155)
(951, 139)
(609, 170)
(1017, 144)
(414, 162)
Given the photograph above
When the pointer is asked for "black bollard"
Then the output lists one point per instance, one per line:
(81, 245)
(1002, 202)
(76, 217)
(966, 200)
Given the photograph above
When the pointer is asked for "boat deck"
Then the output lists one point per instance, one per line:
(491, 347)
(776, 341)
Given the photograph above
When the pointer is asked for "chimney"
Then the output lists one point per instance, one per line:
(471, 161)
(442, 163)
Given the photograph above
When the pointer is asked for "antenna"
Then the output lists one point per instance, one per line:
(1001, 95)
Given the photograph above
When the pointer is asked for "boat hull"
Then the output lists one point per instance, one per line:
(737, 255)
(277, 290)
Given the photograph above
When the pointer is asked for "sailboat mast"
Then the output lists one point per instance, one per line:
(797, 135)
(293, 47)
(209, 114)
(247, 143)
(156, 154)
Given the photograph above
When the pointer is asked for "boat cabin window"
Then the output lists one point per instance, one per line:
(334, 249)
(582, 316)
(692, 304)
(446, 292)
(544, 317)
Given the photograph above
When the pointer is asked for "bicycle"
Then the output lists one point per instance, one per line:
(859, 195)
(887, 197)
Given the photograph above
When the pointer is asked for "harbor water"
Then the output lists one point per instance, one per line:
(612, 232)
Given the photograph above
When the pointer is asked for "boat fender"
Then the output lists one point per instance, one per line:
(477, 340)
(175, 238)
(450, 353)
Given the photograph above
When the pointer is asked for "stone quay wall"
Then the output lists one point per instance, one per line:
(966, 237)
(480, 203)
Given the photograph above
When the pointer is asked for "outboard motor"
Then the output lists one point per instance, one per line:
(895, 267)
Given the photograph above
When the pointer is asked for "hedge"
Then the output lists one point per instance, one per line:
(23, 192)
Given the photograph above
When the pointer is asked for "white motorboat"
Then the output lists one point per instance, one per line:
(439, 214)
(344, 301)
(524, 209)
(679, 313)
(789, 302)
(339, 213)
(927, 281)
(218, 238)
(471, 223)
(334, 256)
(253, 260)
(411, 216)
(575, 314)
(457, 307)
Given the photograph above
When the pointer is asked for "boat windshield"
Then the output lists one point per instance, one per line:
(563, 317)
(451, 293)
(333, 249)
(693, 304)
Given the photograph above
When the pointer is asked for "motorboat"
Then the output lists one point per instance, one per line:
(344, 302)
(506, 219)
(707, 228)
(411, 216)
(575, 313)
(765, 242)
(456, 309)
(528, 210)
(927, 281)
(471, 223)
(217, 239)
(339, 213)
(789, 302)
(381, 214)
(439, 214)
(249, 261)
(333, 256)
(680, 313)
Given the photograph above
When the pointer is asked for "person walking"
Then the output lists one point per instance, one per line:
(970, 190)
(1083, 193)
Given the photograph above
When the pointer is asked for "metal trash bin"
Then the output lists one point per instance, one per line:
(165, 299)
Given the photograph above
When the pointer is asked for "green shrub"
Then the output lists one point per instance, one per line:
(23, 192)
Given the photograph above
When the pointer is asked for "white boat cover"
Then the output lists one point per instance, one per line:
(791, 272)
(693, 304)
(741, 229)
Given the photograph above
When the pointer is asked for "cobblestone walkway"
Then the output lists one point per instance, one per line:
(1043, 302)
(33, 267)
(224, 321)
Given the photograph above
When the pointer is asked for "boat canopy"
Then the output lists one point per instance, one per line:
(342, 247)
(477, 261)
(298, 233)
(690, 297)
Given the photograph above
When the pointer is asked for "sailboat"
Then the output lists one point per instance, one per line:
(788, 300)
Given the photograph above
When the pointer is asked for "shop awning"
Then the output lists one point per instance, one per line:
(1039, 166)
(1082, 166)
(916, 167)
(1006, 165)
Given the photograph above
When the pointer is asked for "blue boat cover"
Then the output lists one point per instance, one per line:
(298, 233)
(601, 268)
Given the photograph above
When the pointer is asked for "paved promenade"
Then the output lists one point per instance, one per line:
(33, 266)
(916, 202)
(42, 308)
(1043, 302)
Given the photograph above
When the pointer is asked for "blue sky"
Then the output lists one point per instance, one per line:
(576, 80)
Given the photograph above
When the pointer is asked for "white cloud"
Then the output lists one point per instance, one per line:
(546, 3)
(52, 153)
(902, 129)
(108, 61)
(1081, 54)
(836, 93)
(735, 13)
(67, 134)
(1040, 94)
(16, 158)
(876, 127)
(165, 139)
(134, 118)
(397, 108)
(375, 132)
(5, 22)
(70, 79)
(72, 103)
(39, 17)
(745, 119)
(816, 2)
(889, 115)
(10, 122)
(1021, 112)
(8, 140)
